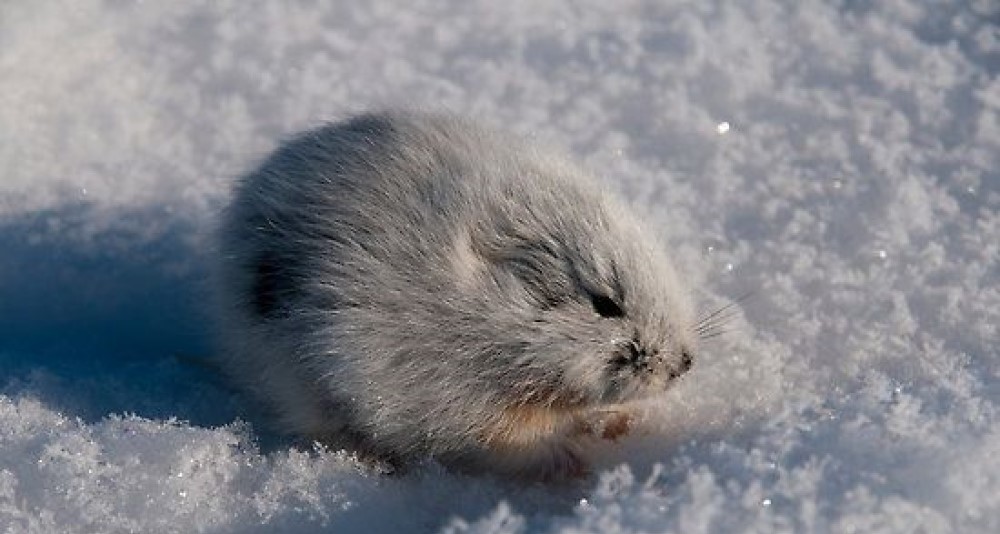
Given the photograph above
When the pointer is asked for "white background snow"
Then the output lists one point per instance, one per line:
(856, 191)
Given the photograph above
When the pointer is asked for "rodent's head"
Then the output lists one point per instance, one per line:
(592, 308)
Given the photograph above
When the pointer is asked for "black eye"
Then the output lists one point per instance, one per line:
(605, 306)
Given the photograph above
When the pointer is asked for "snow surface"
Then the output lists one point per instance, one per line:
(840, 159)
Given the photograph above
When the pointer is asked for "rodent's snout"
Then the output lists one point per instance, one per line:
(633, 356)
(687, 360)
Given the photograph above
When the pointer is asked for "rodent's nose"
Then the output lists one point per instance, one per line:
(687, 360)
(642, 359)
(685, 364)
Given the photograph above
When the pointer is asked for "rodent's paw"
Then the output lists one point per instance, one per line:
(608, 425)
(616, 426)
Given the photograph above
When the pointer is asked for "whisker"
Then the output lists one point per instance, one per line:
(720, 319)
(712, 331)
(715, 323)
(712, 324)
(728, 306)
(715, 334)
(716, 312)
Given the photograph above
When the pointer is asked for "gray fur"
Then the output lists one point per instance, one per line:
(412, 285)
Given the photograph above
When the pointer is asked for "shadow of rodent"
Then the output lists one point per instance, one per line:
(102, 311)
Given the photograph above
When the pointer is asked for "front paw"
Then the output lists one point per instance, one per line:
(607, 425)
(616, 426)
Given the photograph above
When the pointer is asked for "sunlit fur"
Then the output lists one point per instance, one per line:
(412, 285)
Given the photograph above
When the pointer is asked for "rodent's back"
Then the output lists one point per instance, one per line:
(326, 194)
(322, 197)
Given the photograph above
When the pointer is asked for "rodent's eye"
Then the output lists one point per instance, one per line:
(605, 306)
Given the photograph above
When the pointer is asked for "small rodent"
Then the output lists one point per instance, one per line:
(411, 285)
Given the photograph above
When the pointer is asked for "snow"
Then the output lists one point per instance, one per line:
(841, 160)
